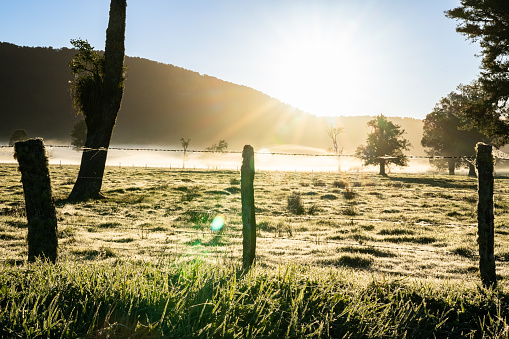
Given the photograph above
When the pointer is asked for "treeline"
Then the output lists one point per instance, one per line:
(163, 103)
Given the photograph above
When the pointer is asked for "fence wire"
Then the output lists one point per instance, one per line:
(496, 153)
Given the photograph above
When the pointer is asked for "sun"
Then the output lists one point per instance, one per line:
(317, 62)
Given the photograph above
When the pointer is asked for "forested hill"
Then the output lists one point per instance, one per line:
(163, 103)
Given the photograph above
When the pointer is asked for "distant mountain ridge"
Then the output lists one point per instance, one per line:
(163, 103)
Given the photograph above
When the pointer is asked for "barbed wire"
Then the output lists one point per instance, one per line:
(497, 153)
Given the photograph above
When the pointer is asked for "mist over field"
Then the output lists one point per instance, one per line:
(277, 158)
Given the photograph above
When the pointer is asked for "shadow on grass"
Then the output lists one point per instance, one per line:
(93, 254)
(411, 239)
(442, 182)
(369, 250)
(347, 260)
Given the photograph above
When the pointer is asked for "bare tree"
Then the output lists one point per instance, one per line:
(333, 133)
(185, 144)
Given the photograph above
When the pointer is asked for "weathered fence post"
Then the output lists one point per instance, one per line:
(40, 209)
(485, 217)
(248, 209)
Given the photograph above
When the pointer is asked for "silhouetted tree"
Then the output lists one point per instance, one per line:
(18, 135)
(446, 134)
(477, 112)
(185, 145)
(220, 147)
(79, 134)
(384, 145)
(333, 133)
(97, 93)
(487, 22)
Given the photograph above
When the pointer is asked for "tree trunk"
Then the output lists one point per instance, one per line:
(93, 162)
(382, 167)
(471, 170)
(452, 165)
(100, 123)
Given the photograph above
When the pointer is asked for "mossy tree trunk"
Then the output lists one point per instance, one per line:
(40, 208)
(101, 120)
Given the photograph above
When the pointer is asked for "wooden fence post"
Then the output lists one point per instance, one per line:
(485, 217)
(40, 208)
(248, 209)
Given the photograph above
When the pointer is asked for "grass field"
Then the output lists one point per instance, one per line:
(337, 255)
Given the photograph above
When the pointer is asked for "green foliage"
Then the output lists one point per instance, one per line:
(88, 68)
(87, 60)
(384, 144)
(487, 22)
(447, 133)
(18, 135)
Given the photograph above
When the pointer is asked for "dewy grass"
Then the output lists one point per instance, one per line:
(145, 205)
(198, 300)
(181, 280)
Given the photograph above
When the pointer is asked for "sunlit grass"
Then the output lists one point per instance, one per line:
(192, 299)
(336, 231)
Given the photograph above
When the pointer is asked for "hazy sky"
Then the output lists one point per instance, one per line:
(327, 57)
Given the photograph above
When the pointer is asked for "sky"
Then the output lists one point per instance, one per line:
(326, 57)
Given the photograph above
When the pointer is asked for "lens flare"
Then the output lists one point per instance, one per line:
(217, 223)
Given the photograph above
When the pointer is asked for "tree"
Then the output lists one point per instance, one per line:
(220, 147)
(79, 134)
(185, 145)
(18, 135)
(487, 22)
(97, 92)
(477, 112)
(446, 134)
(384, 145)
(333, 133)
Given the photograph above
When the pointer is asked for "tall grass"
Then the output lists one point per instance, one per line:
(198, 300)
